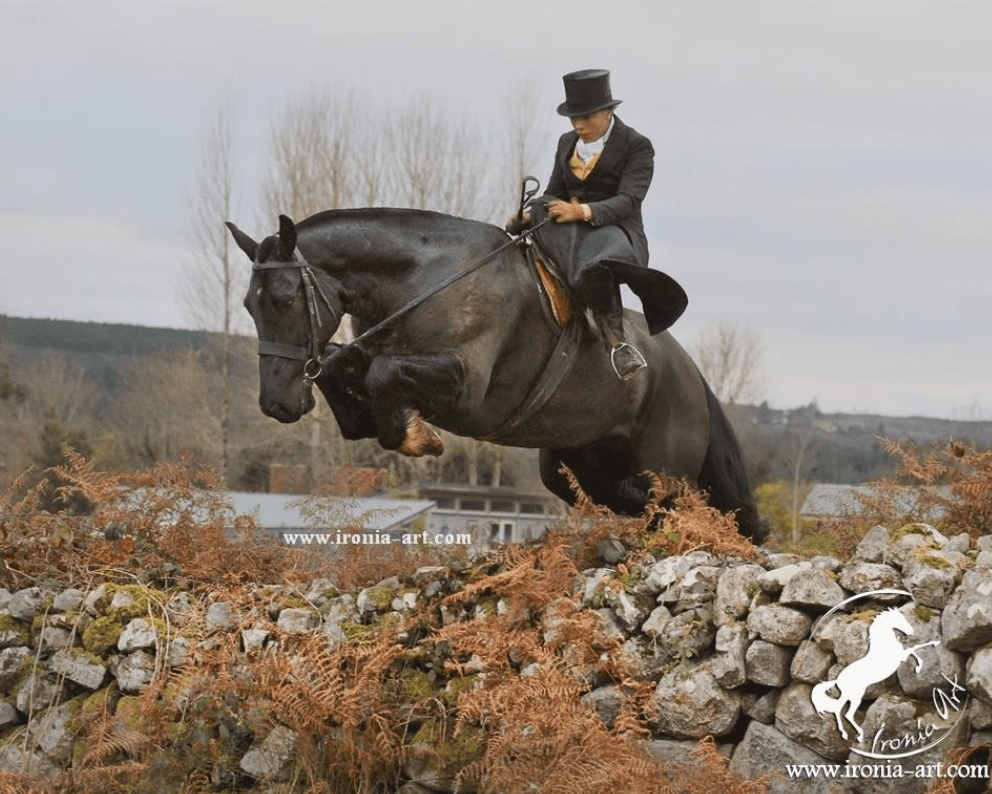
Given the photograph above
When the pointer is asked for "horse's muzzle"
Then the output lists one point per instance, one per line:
(287, 413)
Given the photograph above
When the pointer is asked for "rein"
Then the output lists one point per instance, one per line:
(310, 356)
(413, 304)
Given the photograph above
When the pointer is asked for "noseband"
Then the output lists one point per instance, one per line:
(311, 355)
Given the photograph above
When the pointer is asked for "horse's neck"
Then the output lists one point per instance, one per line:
(882, 638)
(383, 257)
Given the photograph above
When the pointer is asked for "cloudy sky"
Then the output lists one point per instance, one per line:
(824, 170)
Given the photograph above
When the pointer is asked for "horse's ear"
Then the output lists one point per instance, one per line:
(245, 243)
(287, 234)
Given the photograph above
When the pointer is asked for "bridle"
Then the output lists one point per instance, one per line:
(309, 356)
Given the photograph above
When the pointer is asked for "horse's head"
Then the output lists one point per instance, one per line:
(296, 310)
(893, 619)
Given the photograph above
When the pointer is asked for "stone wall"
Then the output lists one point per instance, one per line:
(734, 649)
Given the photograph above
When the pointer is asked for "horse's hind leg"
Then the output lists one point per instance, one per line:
(602, 471)
(403, 387)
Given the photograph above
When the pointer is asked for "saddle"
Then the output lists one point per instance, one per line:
(552, 282)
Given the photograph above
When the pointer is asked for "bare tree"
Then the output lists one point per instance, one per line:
(214, 284)
(320, 159)
(729, 356)
(527, 141)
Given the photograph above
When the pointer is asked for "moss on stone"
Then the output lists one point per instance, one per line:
(455, 750)
(102, 635)
(382, 597)
(933, 561)
(12, 625)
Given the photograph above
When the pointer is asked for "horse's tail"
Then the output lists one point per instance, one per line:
(724, 473)
(823, 701)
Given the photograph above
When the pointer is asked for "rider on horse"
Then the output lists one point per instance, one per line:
(602, 171)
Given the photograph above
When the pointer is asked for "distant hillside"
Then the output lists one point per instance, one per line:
(98, 346)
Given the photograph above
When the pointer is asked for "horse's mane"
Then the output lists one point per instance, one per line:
(400, 216)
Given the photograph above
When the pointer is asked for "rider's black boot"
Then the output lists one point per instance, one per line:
(602, 294)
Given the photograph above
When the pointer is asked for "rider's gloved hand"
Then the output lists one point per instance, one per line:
(515, 224)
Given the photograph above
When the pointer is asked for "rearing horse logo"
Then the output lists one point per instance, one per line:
(885, 653)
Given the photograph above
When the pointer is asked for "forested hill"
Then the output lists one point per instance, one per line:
(81, 339)
(98, 346)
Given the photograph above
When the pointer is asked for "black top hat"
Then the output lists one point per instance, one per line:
(586, 92)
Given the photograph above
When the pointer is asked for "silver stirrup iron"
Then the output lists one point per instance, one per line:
(640, 363)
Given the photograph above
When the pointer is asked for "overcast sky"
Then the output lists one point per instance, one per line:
(823, 173)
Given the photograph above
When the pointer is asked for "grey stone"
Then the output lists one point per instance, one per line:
(15, 760)
(778, 624)
(272, 755)
(796, 718)
(763, 708)
(864, 577)
(135, 672)
(871, 548)
(122, 600)
(11, 660)
(734, 591)
(729, 663)
(656, 622)
(179, 609)
(220, 616)
(671, 752)
(775, 580)
(966, 621)
(68, 600)
(8, 716)
(811, 663)
(27, 604)
(36, 694)
(627, 608)
(979, 674)
(688, 635)
(850, 639)
(932, 577)
(592, 584)
(51, 733)
(297, 621)
(900, 551)
(689, 703)
(767, 664)
(960, 543)
(90, 601)
(253, 640)
(405, 601)
(670, 570)
(78, 668)
(984, 560)
(137, 635)
(606, 701)
(177, 651)
(816, 589)
(54, 638)
(764, 749)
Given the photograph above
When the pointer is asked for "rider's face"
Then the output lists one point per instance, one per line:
(593, 126)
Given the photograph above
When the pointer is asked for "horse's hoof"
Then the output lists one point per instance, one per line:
(420, 439)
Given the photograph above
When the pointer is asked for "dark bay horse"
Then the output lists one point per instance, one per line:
(479, 355)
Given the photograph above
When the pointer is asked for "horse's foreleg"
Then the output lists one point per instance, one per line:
(401, 388)
(913, 652)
